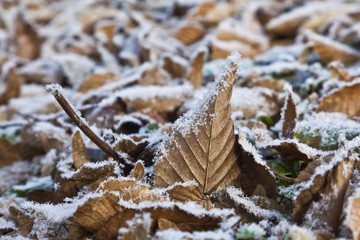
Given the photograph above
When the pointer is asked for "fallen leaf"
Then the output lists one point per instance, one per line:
(189, 33)
(352, 216)
(254, 170)
(345, 100)
(13, 85)
(320, 206)
(95, 81)
(339, 51)
(79, 151)
(186, 193)
(176, 66)
(339, 72)
(95, 212)
(157, 98)
(138, 172)
(28, 41)
(289, 115)
(201, 145)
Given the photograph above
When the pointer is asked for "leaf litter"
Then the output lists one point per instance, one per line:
(179, 119)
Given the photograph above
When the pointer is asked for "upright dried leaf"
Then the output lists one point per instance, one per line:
(345, 100)
(195, 75)
(201, 145)
(79, 151)
(289, 115)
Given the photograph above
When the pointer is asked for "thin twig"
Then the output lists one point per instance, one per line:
(290, 179)
(83, 126)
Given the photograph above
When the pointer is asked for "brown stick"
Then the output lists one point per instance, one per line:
(55, 90)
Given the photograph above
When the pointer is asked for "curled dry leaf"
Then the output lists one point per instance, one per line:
(338, 52)
(28, 41)
(201, 145)
(79, 151)
(345, 100)
(289, 115)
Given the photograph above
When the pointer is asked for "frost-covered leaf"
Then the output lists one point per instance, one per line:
(289, 115)
(189, 192)
(321, 201)
(157, 98)
(79, 151)
(95, 81)
(201, 145)
(345, 100)
(322, 130)
(254, 170)
(339, 51)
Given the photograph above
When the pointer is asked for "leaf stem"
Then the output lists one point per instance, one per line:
(84, 127)
(290, 179)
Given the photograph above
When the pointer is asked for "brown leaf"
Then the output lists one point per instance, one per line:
(201, 145)
(330, 50)
(352, 220)
(324, 200)
(294, 151)
(137, 228)
(11, 153)
(187, 193)
(176, 68)
(96, 81)
(254, 170)
(338, 71)
(166, 224)
(268, 82)
(190, 33)
(28, 41)
(95, 212)
(287, 24)
(157, 98)
(195, 74)
(289, 115)
(154, 76)
(94, 172)
(345, 100)
(79, 151)
(138, 172)
(13, 84)
(23, 221)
